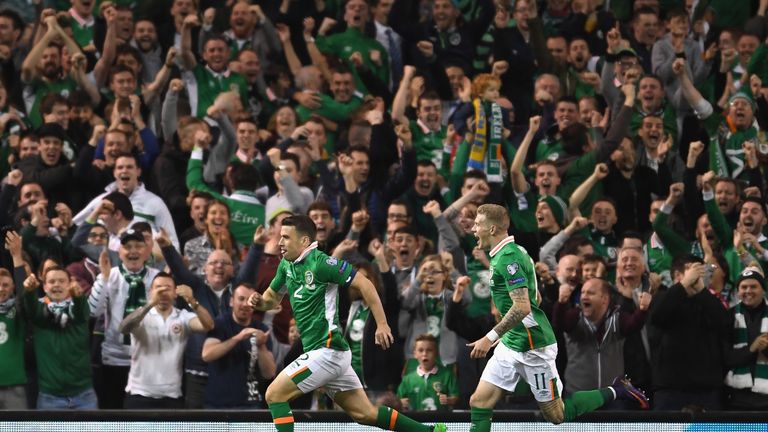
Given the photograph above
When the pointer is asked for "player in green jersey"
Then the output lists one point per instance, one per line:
(312, 280)
(527, 348)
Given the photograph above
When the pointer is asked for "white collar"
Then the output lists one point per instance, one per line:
(306, 252)
(506, 241)
(422, 373)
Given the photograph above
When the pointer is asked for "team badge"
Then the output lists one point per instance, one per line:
(454, 39)
(331, 261)
(176, 328)
(512, 268)
(437, 386)
(309, 278)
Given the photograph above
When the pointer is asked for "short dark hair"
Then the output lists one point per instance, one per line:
(291, 157)
(319, 206)
(49, 101)
(425, 337)
(341, 69)
(567, 99)
(127, 49)
(244, 176)
(677, 12)
(426, 163)
(215, 37)
(18, 23)
(475, 174)
(680, 261)
(574, 138)
(79, 98)
(407, 229)
(572, 245)
(592, 258)
(163, 274)
(358, 148)
(428, 95)
(122, 203)
(302, 224)
(129, 155)
(116, 69)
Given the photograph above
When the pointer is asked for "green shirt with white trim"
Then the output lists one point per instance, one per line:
(205, 85)
(423, 389)
(312, 283)
(246, 211)
(512, 268)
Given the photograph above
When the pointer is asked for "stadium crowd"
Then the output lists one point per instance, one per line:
(151, 150)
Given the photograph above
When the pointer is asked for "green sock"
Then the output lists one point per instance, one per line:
(282, 416)
(586, 401)
(390, 419)
(481, 419)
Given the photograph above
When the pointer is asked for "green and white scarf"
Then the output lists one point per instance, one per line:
(484, 155)
(741, 377)
(7, 306)
(59, 313)
(137, 293)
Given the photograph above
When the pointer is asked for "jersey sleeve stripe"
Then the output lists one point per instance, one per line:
(283, 420)
(392, 420)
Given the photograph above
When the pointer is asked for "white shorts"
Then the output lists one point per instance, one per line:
(537, 367)
(326, 368)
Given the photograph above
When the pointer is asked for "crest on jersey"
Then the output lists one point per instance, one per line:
(309, 278)
(331, 261)
(512, 268)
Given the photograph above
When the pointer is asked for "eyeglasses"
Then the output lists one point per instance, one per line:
(397, 216)
(99, 236)
(220, 262)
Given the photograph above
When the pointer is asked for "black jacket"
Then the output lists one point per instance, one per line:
(686, 341)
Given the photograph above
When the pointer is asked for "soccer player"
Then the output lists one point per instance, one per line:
(312, 280)
(528, 348)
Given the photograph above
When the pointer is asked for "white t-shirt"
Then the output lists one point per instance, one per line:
(157, 353)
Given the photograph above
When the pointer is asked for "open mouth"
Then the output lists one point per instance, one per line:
(748, 223)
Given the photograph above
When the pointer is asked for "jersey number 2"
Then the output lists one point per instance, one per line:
(298, 291)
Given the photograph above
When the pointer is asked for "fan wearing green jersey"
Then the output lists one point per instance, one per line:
(312, 281)
(525, 343)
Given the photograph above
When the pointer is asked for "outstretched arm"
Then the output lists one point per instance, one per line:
(401, 97)
(516, 169)
(578, 196)
(691, 94)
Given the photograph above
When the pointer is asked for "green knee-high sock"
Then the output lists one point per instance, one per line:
(390, 419)
(586, 401)
(282, 416)
(481, 419)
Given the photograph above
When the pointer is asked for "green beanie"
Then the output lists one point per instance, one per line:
(557, 206)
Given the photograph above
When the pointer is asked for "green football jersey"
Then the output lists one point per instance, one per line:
(312, 283)
(355, 333)
(13, 329)
(429, 145)
(512, 268)
(422, 389)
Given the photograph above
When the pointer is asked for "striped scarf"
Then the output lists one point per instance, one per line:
(741, 377)
(484, 155)
(58, 313)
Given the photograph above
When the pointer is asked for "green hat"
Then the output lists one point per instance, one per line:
(557, 206)
(741, 94)
(626, 52)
